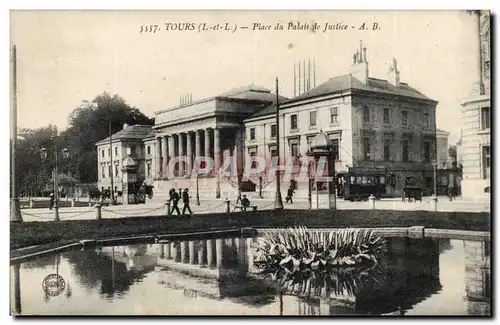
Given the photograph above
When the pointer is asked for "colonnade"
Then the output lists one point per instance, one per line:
(211, 253)
(169, 146)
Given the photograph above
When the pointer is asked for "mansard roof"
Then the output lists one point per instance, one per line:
(348, 83)
(132, 132)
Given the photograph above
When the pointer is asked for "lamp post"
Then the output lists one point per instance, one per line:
(435, 196)
(15, 209)
(278, 202)
(197, 189)
(65, 155)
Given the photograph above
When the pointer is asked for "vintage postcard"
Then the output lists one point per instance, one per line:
(305, 163)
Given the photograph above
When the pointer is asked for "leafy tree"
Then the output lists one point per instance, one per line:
(89, 123)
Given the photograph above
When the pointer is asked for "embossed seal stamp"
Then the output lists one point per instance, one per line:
(53, 284)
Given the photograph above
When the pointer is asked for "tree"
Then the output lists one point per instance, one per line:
(89, 123)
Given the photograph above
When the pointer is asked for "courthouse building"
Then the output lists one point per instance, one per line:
(374, 123)
(475, 150)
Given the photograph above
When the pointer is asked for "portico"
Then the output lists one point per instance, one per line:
(211, 127)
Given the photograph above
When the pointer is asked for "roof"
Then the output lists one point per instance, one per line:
(348, 82)
(132, 132)
(252, 92)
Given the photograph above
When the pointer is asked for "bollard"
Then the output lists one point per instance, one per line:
(434, 201)
(32, 203)
(228, 210)
(167, 207)
(98, 211)
(371, 199)
(73, 202)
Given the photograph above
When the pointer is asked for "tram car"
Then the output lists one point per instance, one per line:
(358, 183)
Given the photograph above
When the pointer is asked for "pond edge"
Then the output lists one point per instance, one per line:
(411, 232)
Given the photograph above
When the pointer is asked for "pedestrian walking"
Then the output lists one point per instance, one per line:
(51, 201)
(289, 195)
(185, 199)
(245, 202)
(175, 201)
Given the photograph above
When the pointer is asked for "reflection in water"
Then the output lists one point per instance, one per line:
(111, 270)
(221, 271)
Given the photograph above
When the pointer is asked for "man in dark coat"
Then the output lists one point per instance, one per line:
(289, 195)
(174, 198)
(185, 199)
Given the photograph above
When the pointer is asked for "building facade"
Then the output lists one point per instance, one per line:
(374, 123)
(475, 147)
(111, 154)
(443, 159)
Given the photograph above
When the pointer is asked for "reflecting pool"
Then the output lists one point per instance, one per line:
(217, 277)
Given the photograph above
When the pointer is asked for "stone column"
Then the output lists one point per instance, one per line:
(210, 253)
(219, 251)
(158, 169)
(171, 148)
(202, 249)
(242, 252)
(168, 250)
(217, 162)
(197, 145)
(181, 154)
(177, 251)
(192, 253)
(189, 154)
(164, 155)
(184, 252)
(162, 251)
(207, 143)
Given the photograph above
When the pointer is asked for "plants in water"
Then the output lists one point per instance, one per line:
(321, 263)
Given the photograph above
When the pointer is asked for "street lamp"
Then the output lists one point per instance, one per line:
(65, 155)
(435, 196)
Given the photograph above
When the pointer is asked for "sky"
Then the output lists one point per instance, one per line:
(65, 57)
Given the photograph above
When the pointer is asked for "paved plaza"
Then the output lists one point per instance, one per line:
(210, 206)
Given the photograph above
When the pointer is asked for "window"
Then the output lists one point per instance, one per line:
(103, 170)
(387, 149)
(334, 115)
(366, 148)
(274, 152)
(132, 150)
(254, 162)
(148, 170)
(273, 131)
(293, 121)
(486, 162)
(404, 144)
(426, 120)
(366, 114)
(387, 115)
(109, 152)
(294, 149)
(427, 151)
(335, 148)
(312, 118)
(116, 151)
(252, 134)
(110, 171)
(485, 118)
(404, 117)
(117, 170)
(149, 150)
(102, 153)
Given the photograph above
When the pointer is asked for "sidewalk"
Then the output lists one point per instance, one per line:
(209, 206)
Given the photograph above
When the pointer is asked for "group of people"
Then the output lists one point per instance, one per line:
(175, 197)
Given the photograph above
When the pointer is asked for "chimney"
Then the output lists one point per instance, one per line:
(359, 67)
(393, 76)
(125, 125)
